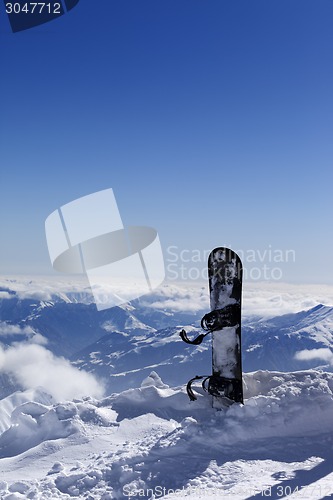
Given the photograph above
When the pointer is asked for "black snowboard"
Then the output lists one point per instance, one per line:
(225, 286)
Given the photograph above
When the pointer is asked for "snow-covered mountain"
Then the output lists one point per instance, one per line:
(288, 342)
(123, 344)
(123, 359)
(69, 325)
(291, 341)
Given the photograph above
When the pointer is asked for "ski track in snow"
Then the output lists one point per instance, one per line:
(152, 440)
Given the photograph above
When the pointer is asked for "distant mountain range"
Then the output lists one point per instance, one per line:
(274, 343)
(124, 344)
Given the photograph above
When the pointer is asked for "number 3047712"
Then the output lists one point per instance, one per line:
(33, 8)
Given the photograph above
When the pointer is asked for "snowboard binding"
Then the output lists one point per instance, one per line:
(189, 389)
(215, 320)
(220, 318)
(217, 386)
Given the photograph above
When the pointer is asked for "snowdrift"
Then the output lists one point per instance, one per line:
(151, 441)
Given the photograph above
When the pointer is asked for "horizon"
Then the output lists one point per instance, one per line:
(266, 299)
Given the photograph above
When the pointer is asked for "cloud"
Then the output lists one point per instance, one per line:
(323, 354)
(274, 299)
(38, 338)
(8, 329)
(34, 366)
(265, 299)
(260, 299)
(46, 288)
(31, 337)
(178, 298)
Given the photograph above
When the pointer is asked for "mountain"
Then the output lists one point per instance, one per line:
(123, 344)
(123, 359)
(69, 326)
(274, 344)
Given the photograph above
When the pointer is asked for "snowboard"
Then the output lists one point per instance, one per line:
(224, 323)
(225, 290)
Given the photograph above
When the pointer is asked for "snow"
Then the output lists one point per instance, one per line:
(152, 440)
(224, 353)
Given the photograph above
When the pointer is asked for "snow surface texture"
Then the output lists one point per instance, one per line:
(152, 441)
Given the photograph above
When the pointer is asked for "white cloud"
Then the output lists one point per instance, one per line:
(260, 299)
(46, 287)
(31, 337)
(8, 329)
(178, 298)
(323, 354)
(39, 339)
(33, 366)
(274, 299)
(264, 299)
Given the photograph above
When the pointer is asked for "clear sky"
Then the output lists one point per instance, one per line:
(210, 119)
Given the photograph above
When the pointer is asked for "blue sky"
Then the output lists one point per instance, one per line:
(211, 120)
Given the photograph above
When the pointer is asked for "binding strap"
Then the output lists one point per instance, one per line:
(189, 389)
(196, 341)
(220, 318)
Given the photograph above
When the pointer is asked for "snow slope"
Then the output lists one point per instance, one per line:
(152, 440)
